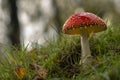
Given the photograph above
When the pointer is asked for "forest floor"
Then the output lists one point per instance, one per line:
(60, 60)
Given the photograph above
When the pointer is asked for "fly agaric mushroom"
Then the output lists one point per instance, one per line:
(84, 24)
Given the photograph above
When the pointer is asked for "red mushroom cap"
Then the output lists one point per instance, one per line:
(87, 21)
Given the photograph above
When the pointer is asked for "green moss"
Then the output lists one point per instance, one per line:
(61, 58)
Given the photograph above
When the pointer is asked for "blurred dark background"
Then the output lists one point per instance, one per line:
(30, 22)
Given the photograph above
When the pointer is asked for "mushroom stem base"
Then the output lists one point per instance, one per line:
(85, 47)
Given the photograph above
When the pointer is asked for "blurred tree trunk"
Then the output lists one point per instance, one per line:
(14, 27)
(57, 16)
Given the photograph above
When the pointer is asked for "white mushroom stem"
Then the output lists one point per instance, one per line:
(85, 46)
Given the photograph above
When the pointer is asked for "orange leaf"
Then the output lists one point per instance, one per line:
(20, 72)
